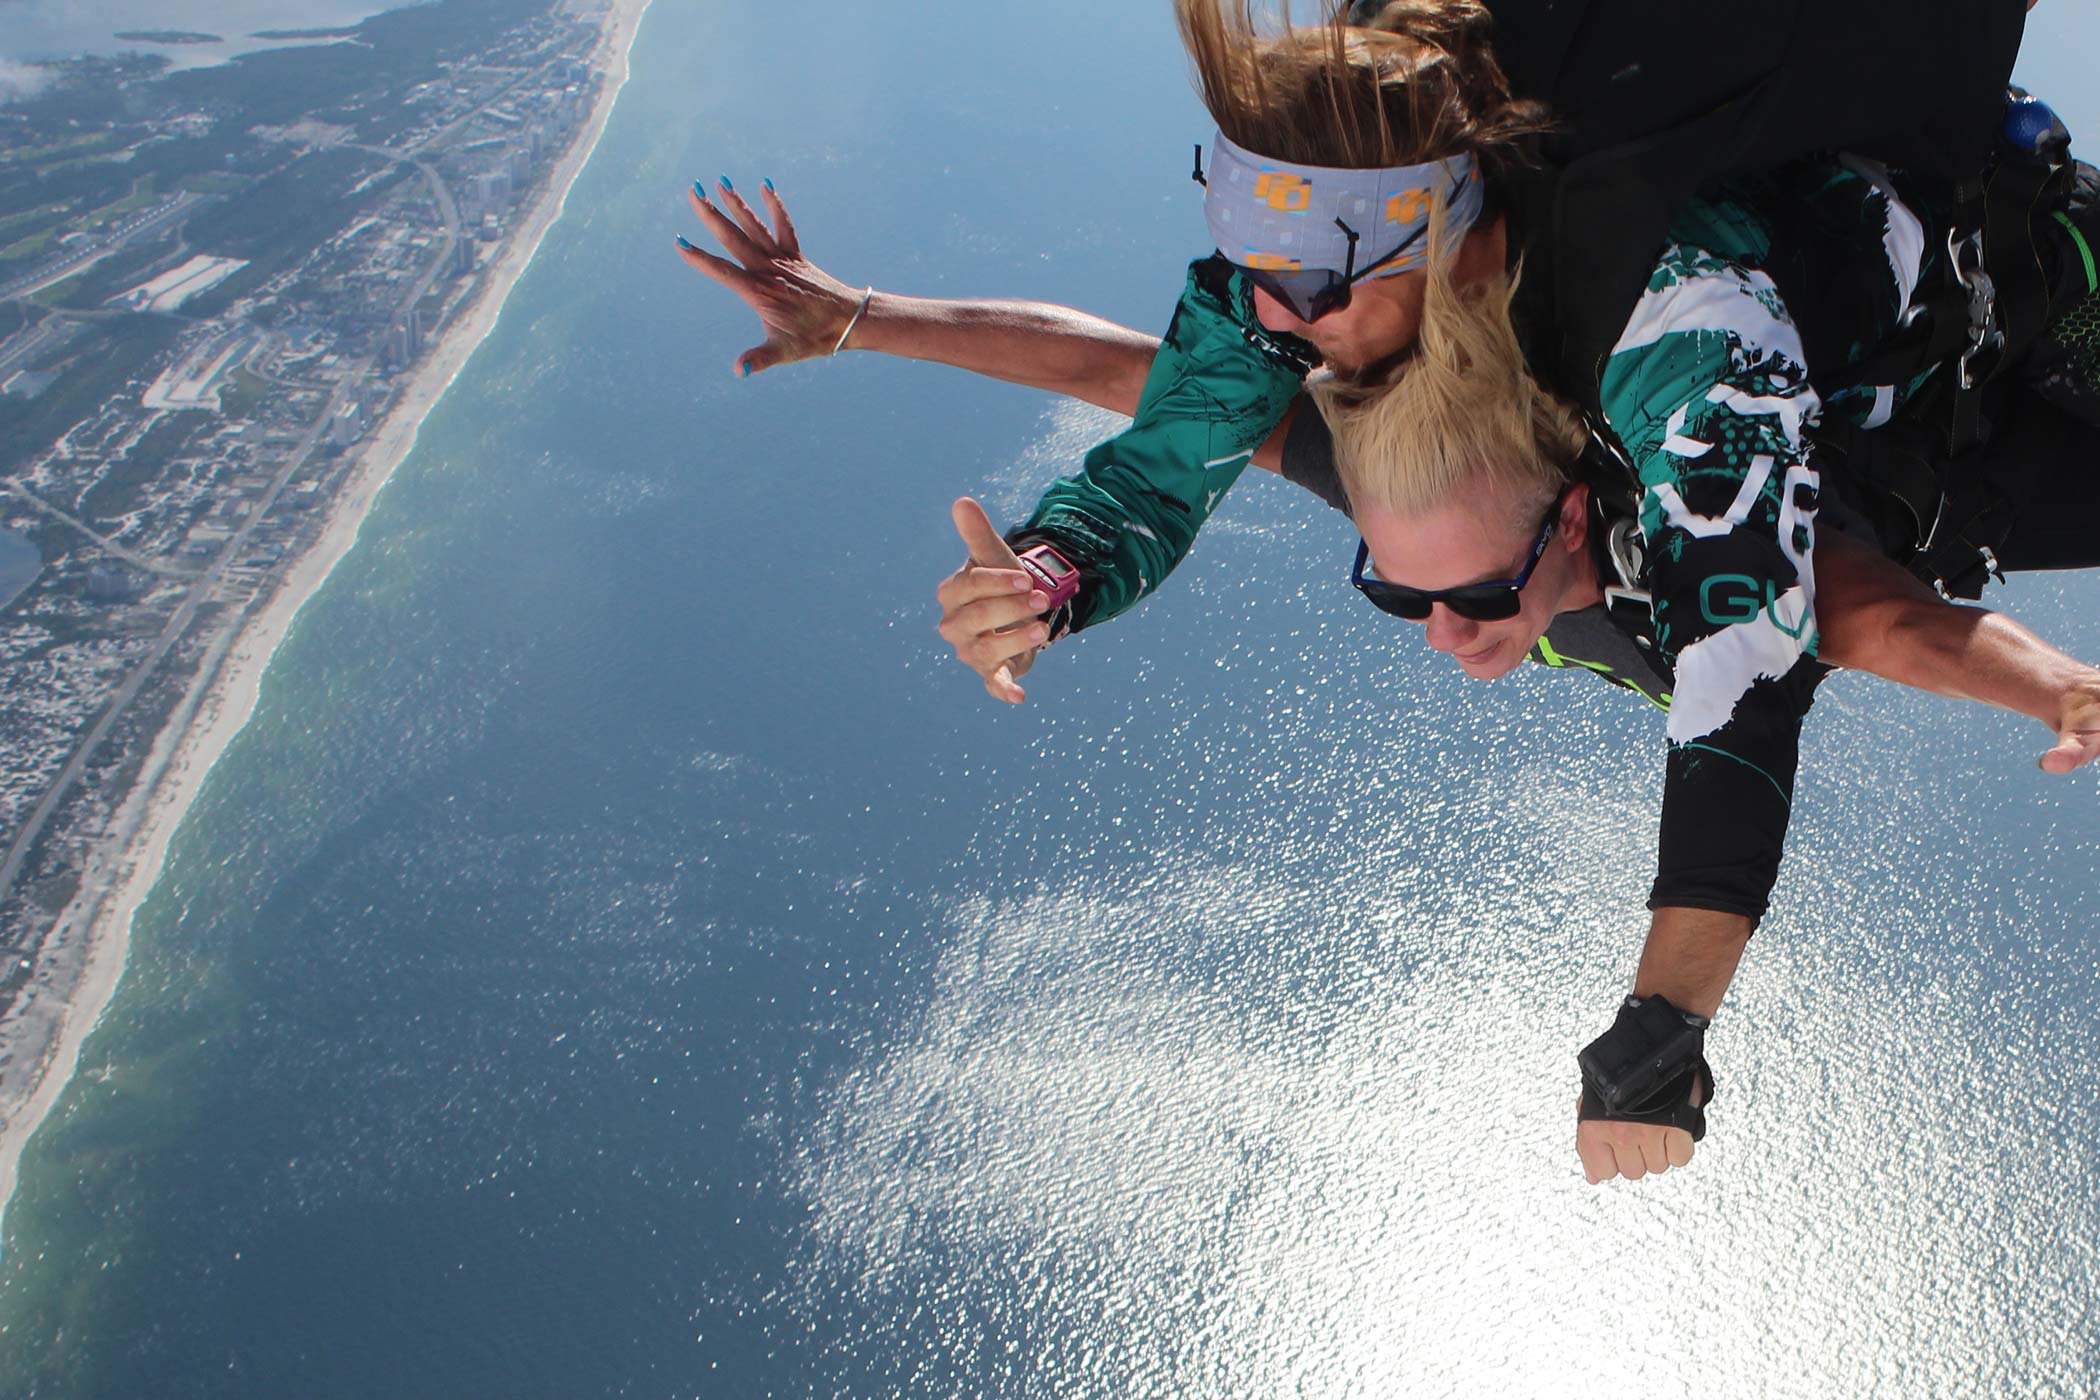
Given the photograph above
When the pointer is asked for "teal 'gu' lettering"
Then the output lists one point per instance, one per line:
(1727, 599)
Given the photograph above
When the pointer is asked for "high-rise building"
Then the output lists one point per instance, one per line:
(406, 338)
(348, 422)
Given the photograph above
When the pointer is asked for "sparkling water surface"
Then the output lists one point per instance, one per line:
(624, 956)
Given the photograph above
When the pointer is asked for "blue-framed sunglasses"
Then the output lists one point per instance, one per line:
(1481, 602)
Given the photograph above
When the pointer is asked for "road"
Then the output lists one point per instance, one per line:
(207, 582)
(102, 541)
(23, 349)
(149, 224)
(178, 623)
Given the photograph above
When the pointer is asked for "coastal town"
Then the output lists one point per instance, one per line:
(215, 286)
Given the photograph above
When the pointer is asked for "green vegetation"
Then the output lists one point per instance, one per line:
(21, 219)
(123, 485)
(70, 146)
(18, 316)
(54, 296)
(101, 364)
(240, 392)
(278, 222)
(35, 245)
(141, 195)
(354, 83)
(91, 288)
(167, 36)
(294, 209)
(88, 162)
(90, 91)
(211, 182)
(94, 146)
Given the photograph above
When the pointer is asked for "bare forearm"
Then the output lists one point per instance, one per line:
(1974, 654)
(1052, 348)
(1691, 957)
(1989, 658)
(1876, 617)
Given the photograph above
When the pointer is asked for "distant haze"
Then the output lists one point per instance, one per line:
(2060, 32)
(47, 29)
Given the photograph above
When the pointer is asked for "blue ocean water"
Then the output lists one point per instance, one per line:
(624, 956)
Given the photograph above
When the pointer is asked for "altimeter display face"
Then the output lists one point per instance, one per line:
(1054, 573)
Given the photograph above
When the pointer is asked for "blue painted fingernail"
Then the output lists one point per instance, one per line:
(743, 371)
(685, 245)
(700, 190)
(769, 184)
(727, 186)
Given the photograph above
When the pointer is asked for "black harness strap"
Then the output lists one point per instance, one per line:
(2012, 296)
(1936, 494)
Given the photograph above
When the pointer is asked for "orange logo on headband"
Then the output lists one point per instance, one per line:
(1407, 207)
(1287, 194)
(1271, 262)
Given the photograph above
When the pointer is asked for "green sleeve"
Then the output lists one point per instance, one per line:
(1217, 388)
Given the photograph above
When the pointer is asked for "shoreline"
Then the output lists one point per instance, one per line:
(82, 959)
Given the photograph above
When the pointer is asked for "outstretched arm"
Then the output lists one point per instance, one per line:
(1878, 618)
(804, 311)
(1690, 958)
(1875, 617)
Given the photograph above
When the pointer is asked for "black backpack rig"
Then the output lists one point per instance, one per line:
(1655, 100)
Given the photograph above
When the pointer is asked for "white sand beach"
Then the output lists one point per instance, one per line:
(81, 962)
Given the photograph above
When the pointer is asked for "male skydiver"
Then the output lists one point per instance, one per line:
(1223, 384)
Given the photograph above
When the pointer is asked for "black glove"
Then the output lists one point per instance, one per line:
(1650, 1067)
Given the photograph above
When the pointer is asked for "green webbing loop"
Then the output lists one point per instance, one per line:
(2085, 250)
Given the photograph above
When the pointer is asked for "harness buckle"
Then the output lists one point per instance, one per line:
(1986, 337)
(1959, 588)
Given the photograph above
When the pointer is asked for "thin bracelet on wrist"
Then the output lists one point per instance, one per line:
(860, 311)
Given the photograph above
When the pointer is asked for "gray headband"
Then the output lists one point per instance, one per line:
(1273, 215)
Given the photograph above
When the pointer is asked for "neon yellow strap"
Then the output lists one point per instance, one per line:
(1554, 658)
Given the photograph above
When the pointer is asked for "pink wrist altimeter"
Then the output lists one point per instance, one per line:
(1058, 579)
(1054, 574)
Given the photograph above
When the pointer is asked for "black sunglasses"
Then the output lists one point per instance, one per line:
(1481, 602)
(1313, 292)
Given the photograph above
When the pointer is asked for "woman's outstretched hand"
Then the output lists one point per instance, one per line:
(802, 308)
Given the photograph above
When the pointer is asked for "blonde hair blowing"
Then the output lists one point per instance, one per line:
(1461, 414)
(1415, 82)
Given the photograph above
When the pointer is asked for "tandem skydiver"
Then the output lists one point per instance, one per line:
(1702, 421)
